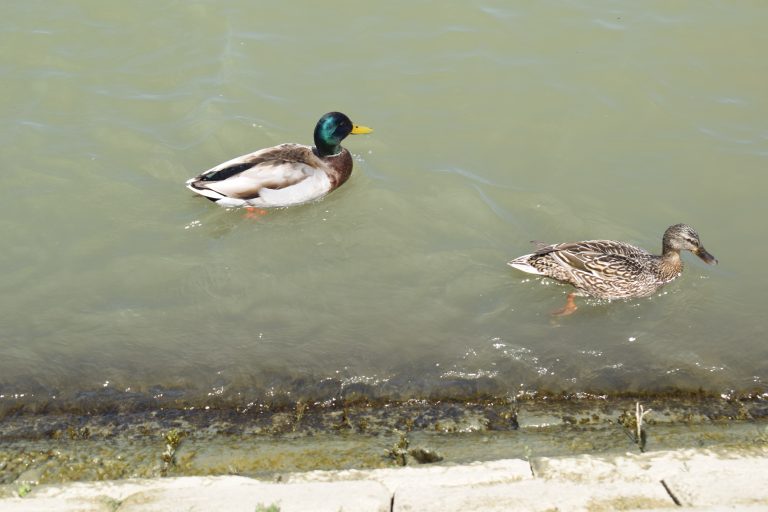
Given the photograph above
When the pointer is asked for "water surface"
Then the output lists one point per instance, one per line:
(494, 125)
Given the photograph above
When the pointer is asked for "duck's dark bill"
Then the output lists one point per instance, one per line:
(358, 129)
(704, 255)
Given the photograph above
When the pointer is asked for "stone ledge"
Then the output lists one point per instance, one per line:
(704, 480)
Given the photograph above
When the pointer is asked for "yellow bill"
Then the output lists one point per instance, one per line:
(358, 129)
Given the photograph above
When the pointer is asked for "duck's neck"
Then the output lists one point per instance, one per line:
(324, 149)
(670, 264)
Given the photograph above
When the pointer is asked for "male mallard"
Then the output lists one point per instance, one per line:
(613, 270)
(283, 175)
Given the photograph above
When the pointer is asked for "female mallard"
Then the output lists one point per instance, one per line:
(283, 175)
(613, 270)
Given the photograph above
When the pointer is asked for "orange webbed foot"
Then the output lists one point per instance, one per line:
(251, 212)
(569, 308)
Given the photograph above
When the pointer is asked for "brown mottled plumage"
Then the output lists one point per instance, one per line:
(283, 175)
(608, 269)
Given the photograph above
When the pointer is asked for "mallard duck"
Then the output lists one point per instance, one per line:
(613, 270)
(283, 175)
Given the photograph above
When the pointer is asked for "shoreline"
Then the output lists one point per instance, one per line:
(37, 450)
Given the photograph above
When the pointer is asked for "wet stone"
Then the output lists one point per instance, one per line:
(425, 455)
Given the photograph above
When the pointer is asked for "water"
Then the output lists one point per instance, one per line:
(494, 125)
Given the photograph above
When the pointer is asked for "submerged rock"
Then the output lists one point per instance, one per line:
(425, 455)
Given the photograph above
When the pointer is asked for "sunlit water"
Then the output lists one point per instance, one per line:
(494, 126)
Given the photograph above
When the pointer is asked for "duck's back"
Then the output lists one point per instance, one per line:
(601, 268)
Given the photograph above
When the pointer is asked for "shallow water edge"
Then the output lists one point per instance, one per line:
(104, 445)
(327, 394)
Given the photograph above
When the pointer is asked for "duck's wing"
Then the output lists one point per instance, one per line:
(603, 268)
(589, 248)
(266, 173)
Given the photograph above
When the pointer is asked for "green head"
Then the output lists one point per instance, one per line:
(331, 129)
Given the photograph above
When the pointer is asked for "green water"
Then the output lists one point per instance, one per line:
(494, 125)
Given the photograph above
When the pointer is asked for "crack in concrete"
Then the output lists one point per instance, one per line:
(671, 494)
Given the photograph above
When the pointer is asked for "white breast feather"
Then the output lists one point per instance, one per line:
(313, 187)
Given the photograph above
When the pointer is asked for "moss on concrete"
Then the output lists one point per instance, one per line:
(51, 448)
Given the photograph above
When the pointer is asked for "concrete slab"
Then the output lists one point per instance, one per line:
(498, 471)
(245, 495)
(709, 481)
(704, 480)
(78, 496)
(531, 495)
(115, 490)
(226, 493)
(649, 467)
(75, 504)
